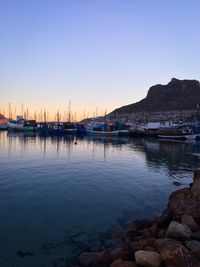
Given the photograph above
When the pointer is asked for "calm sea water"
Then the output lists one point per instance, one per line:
(58, 194)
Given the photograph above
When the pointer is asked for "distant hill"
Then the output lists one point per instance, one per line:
(176, 95)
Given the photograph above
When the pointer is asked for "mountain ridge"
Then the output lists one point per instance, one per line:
(176, 95)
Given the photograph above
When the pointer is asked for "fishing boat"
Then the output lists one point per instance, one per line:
(102, 129)
(176, 132)
(21, 125)
(69, 128)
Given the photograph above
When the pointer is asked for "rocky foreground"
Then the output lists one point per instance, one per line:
(169, 240)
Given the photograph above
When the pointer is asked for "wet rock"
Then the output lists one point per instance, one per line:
(154, 228)
(159, 243)
(164, 219)
(105, 257)
(142, 224)
(136, 245)
(189, 220)
(196, 235)
(196, 252)
(192, 244)
(119, 253)
(196, 188)
(176, 183)
(121, 263)
(89, 259)
(148, 258)
(179, 231)
(196, 174)
(175, 254)
(161, 233)
(131, 232)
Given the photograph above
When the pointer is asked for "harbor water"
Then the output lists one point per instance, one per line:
(59, 195)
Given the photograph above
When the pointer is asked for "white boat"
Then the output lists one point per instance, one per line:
(19, 125)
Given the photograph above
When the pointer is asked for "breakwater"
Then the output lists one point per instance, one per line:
(170, 239)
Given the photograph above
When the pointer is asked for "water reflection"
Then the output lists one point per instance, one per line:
(58, 193)
(175, 155)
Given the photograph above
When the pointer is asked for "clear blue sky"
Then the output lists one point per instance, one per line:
(98, 53)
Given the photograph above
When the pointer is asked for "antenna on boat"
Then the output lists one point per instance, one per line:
(69, 111)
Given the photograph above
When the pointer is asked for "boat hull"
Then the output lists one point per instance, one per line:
(102, 133)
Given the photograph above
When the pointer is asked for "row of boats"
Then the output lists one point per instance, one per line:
(166, 131)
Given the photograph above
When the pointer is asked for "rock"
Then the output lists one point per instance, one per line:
(192, 244)
(119, 253)
(159, 243)
(105, 257)
(164, 219)
(176, 183)
(189, 220)
(161, 233)
(136, 245)
(175, 254)
(142, 224)
(196, 174)
(196, 235)
(89, 259)
(121, 263)
(196, 252)
(196, 188)
(179, 231)
(154, 228)
(148, 258)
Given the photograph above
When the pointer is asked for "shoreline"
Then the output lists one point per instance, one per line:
(171, 239)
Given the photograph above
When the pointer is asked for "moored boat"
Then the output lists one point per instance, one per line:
(102, 129)
(176, 132)
(21, 125)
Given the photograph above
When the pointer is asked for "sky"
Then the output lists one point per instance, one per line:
(98, 54)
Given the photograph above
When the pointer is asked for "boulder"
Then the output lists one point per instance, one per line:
(148, 258)
(89, 259)
(136, 245)
(121, 263)
(196, 235)
(178, 231)
(196, 188)
(118, 253)
(192, 244)
(105, 257)
(189, 220)
(175, 254)
(196, 174)
(196, 252)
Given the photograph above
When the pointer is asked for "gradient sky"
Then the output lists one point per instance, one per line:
(96, 53)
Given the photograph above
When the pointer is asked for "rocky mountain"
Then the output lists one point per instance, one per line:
(176, 95)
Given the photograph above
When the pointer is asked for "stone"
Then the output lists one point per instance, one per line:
(195, 189)
(176, 183)
(154, 228)
(178, 231)
(148, 258)
(136, 245)
(119, 253)
(175, 254)
(196, 252)
(160, 242)
(105, 257)
(164, 219)
(89, 259)
(196, 174)
(192, 244)
(189, 220)
(196, 235)
(121, 263)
